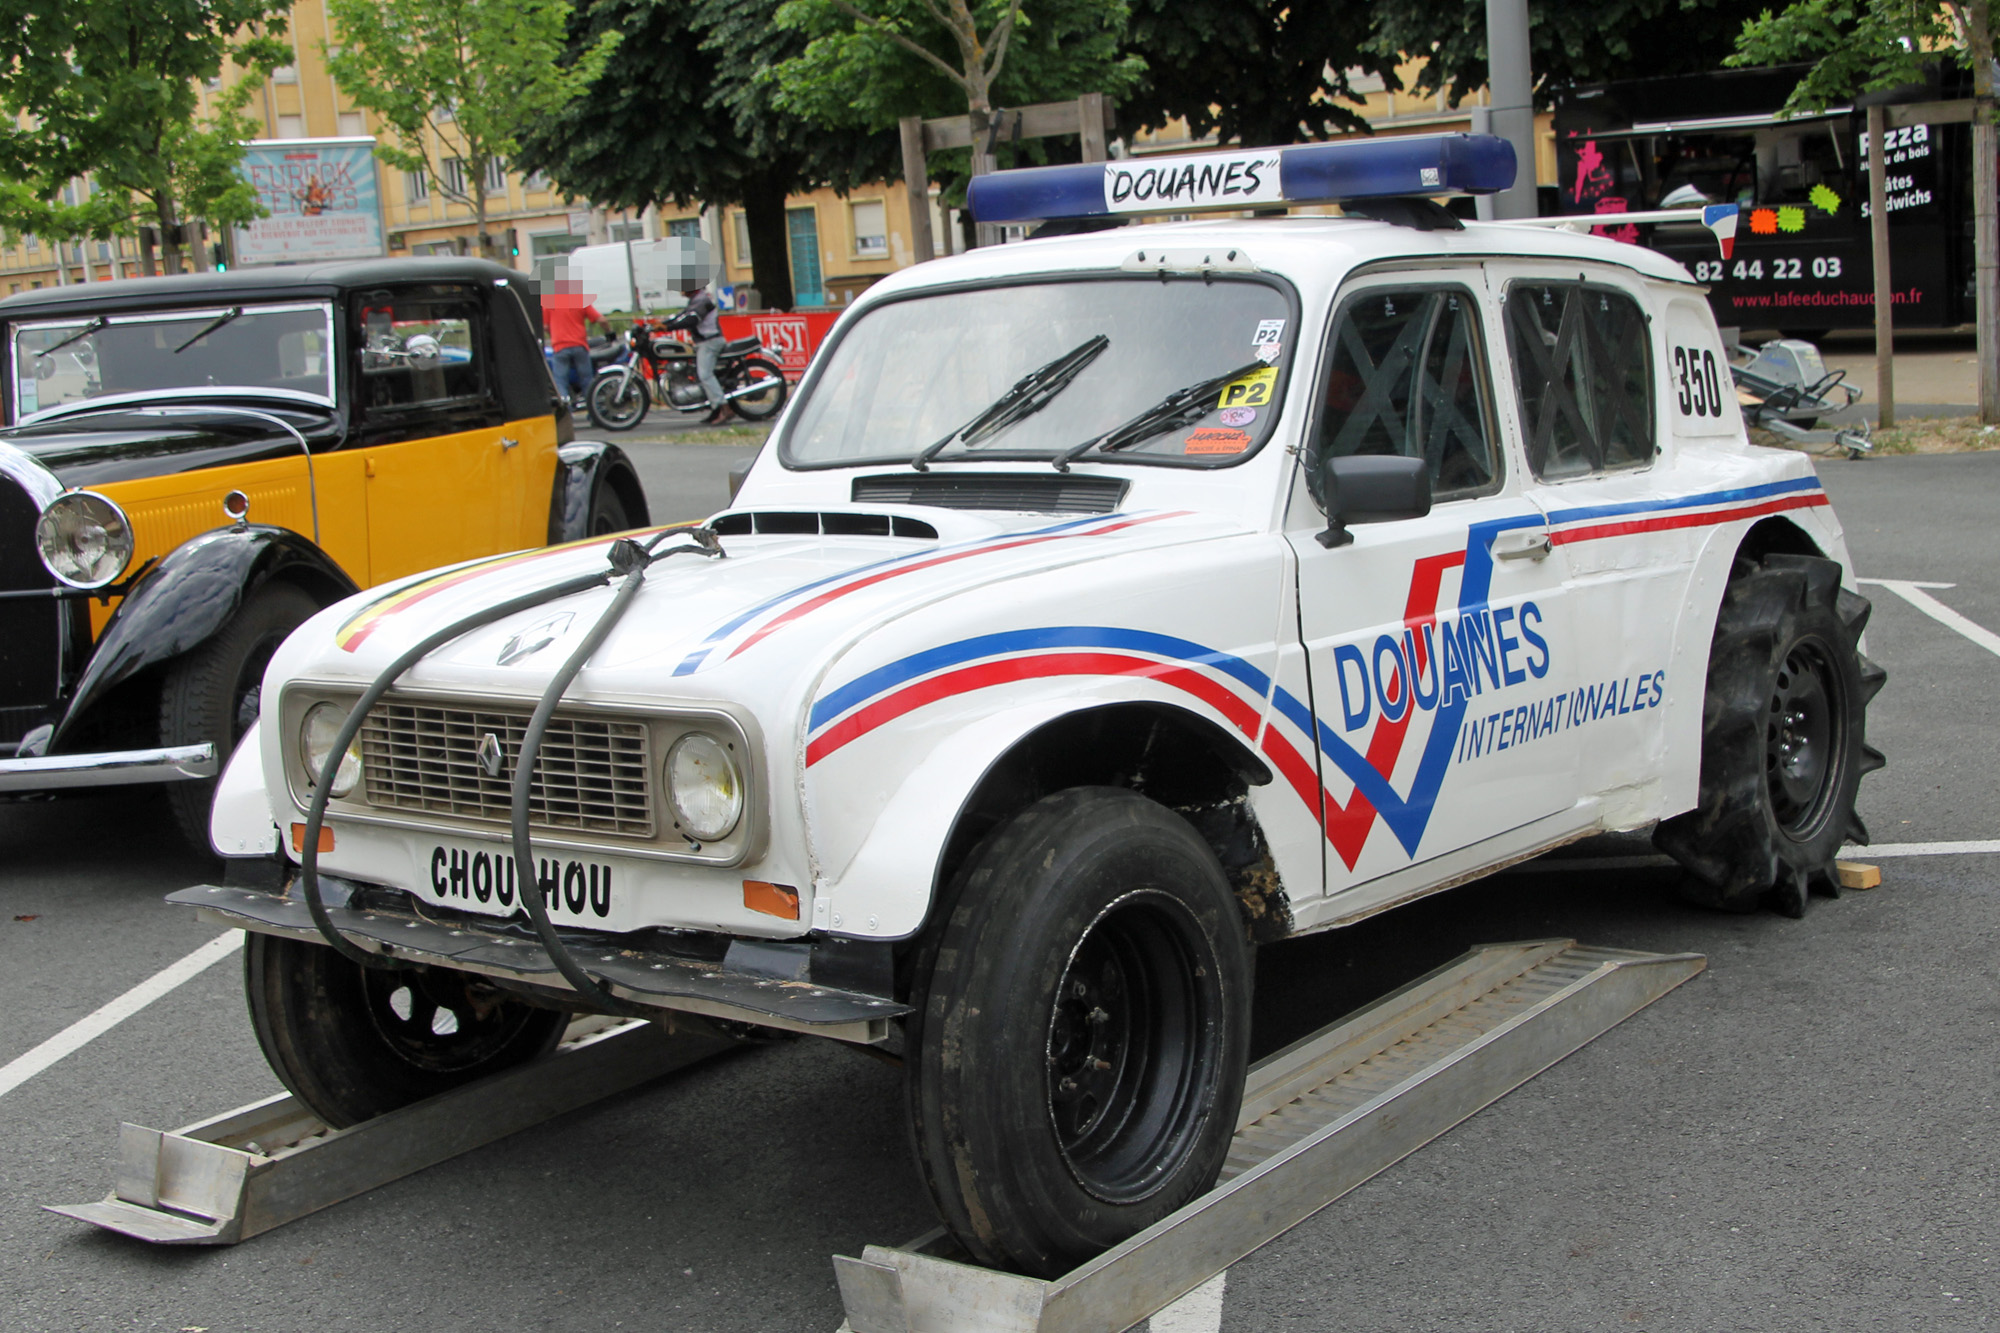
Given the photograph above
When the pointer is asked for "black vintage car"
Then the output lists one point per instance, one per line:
(191, 466)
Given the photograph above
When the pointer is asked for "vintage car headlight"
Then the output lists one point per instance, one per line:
(84, 539)
(316, 737)
(704, 786)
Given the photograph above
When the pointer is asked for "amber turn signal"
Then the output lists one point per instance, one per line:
(326, 845)
(759, 896)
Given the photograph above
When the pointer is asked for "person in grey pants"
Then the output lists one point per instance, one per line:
(704, 315)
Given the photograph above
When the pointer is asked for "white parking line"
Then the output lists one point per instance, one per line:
(86, 1029)
(1923, 849)
(1200, 1311)
(1913, 593)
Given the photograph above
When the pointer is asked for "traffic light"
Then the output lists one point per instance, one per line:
(513, 243)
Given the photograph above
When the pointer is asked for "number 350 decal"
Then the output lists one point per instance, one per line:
(1697, 385)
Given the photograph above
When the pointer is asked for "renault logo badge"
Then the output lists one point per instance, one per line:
(490, 755)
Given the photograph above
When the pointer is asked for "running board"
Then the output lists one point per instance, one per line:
(226, 1179)
(1319, 1118)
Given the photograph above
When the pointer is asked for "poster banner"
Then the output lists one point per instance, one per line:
(792, 338)
(323, 200)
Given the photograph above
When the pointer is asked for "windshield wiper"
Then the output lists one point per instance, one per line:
(1030, 394)
(1182, 407)
(84, 332)
(210, 327)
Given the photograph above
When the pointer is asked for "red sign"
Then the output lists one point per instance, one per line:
(792, 338)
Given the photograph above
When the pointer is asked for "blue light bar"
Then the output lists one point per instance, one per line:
(1318, 173)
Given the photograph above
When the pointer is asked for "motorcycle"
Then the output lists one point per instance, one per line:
(661, 371)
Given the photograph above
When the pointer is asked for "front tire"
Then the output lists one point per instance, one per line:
(352, 1042)
(766, 403)
(618, 401)
(1784, 743)
(1076, 1060)
(214, 694)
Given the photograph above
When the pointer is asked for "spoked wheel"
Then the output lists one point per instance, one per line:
(215, 693)
(1077, 1055)
(618, 401)
(352, 1042)
(1784, 744)
(765, 403)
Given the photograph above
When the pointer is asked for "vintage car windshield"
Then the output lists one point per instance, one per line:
(911, 372)
(61, 362)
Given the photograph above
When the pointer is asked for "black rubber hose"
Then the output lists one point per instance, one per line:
(316, 808)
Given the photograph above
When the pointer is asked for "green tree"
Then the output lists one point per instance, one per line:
(110, 89)
(457, 82)
(682, 112)
(1860, 46)
(1252, 71)
(1569, 44)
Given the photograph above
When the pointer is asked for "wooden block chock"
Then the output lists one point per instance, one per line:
(1857, 875)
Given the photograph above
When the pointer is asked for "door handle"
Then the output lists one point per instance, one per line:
(507, 442)
(1523, 544)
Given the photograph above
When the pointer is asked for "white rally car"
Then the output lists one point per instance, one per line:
(1102, 607)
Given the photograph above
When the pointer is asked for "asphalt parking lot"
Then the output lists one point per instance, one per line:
(1800, 1138)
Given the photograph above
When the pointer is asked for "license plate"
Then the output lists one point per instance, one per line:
(488, 880)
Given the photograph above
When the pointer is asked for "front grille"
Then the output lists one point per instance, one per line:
(591, 773)
(31, 628)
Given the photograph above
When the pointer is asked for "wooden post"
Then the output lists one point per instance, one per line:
(917, 180)
(1878, 238)
(1090, 117)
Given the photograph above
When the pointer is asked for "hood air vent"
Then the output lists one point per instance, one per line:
(805, 523)
(1019, 492)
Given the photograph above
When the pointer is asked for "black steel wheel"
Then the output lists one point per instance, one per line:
(617, 401)
(215, 693)
(1784, 744)
(1076, 1060)
(765, 403)
(353, 1042)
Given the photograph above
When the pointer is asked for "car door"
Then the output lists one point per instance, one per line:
(1586, 372)
(444, 480)
(1437, 655)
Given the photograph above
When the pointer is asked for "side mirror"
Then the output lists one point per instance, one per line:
(1371, 488)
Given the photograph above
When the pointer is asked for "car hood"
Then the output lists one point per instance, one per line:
(103, 448)
(753, 626)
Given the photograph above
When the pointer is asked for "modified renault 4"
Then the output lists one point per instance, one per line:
(191, 467)
(1103, 607)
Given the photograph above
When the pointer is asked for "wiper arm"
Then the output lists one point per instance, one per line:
(1179, 408)
(1030, 394)
(210, 327)
(82, 333)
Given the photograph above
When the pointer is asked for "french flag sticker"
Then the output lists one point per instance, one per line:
(1721, 219)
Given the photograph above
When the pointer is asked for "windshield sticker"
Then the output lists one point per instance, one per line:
(30, 392)
(1253, 390)
(1238, 416)
(1209, 440)
(1269, 353)
(1269, 332)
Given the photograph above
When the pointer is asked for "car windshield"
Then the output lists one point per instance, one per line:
(61, 362)
(916, 372)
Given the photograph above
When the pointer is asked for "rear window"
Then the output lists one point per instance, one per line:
(1583, 367)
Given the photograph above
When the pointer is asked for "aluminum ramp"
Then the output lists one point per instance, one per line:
(1319, 1118)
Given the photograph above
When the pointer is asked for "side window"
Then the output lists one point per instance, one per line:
(1584, 368)
(1406, 375)
(422, 348)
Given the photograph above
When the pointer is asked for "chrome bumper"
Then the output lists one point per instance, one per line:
(173, 763)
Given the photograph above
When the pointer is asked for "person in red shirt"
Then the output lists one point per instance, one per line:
(568, 312)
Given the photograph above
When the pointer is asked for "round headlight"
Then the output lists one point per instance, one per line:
(704, 786)
(84, 539)
(316, 737)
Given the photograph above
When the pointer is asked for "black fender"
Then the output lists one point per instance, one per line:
(185, 599)
(582, 467)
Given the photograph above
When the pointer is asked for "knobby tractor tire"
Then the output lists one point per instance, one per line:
(758, 406)
(616, 402)
(352, 1042)
(1784, 740)
(1076, 1061)
(214, 693)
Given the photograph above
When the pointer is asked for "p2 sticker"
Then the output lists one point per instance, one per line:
(1210, 440)
(1253, 390)
(1268, 331)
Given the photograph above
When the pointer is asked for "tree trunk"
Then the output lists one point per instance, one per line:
(770, 250)
(1985, 214)
(480, 243)
(147, 268)
(170, 240)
